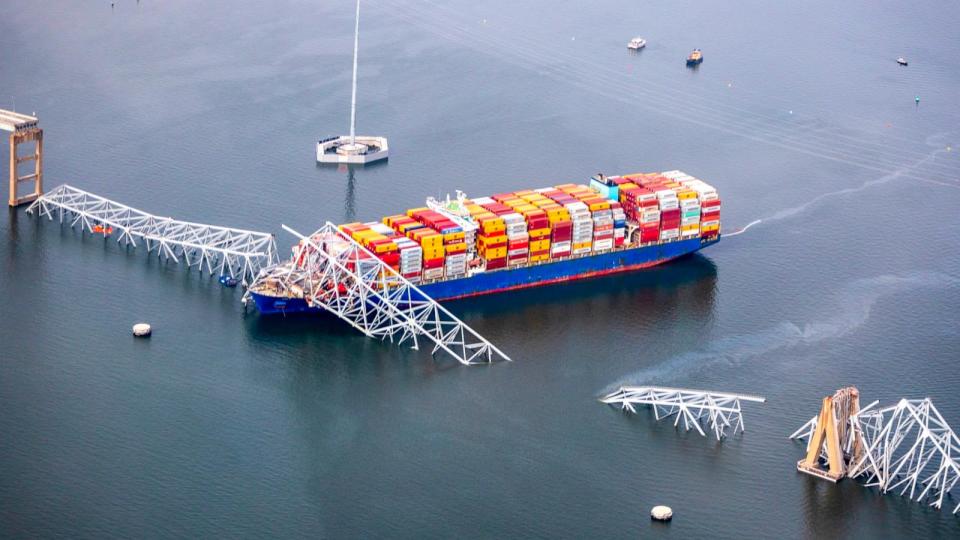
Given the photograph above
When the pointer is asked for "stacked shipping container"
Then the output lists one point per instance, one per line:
(535, 226)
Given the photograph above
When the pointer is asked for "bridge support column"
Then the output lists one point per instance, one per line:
(33, 179)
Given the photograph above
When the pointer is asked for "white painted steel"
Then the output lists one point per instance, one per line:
(240, 252)
(332, 271)
(910, 447)
(719, 409)
(353, 95)
(907, 446)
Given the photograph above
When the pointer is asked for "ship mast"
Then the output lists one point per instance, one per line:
(353, 99)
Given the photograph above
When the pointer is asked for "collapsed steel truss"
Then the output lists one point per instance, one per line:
(719, 409)
(907, 447)
(220, 249)
(330, 270)
(910, 447)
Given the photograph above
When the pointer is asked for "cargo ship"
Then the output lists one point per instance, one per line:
(465, 247)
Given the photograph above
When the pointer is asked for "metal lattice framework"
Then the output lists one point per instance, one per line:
(219, 249)
(719, 410)
(910, 447)
(332, 271)
(907, 447)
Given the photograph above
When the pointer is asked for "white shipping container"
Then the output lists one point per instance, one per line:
(433, 273)
(690, 220)
(601, 245)
(483, 200)
(710, 223)
(560, 246)
(381, 228)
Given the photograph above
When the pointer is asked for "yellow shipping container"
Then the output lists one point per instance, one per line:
(628, 185)
(582, 245)
(494, 253)
(412, 210)
(526, 207)
(493, 225)
(431, 240)
(484, 241)
(686, 193)
(539, 245)
(600, 205)
(385, 247)
(539, 233)
(433, 252)
(688, 228)
(523, 192)
(453, 249)
(710, 228)
(453, 237)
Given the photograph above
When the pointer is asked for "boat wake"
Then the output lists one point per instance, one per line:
(854, 305)
(905, 171)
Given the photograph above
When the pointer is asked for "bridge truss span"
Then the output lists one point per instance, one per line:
(718, 410)
(239, 252)
(330, 270)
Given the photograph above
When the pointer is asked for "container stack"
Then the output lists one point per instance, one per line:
(518, 240)
(411, 259)
(582, 227)
(689, 212)
(602, 226)
(431, 243)
(535, 226)
(538, 229)
(619, 224)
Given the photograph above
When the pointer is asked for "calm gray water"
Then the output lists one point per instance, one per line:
(228, 424)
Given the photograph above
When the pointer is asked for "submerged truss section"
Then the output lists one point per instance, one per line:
(718, 410)
(218, 249)
(908, 447)
(330, 270)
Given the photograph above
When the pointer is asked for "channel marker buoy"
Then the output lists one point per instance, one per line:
(661, 513)
(142, 330)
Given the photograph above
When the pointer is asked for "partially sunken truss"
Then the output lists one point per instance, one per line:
(218, 249)
(717, 410)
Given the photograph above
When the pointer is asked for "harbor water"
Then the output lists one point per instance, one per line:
(228, 424)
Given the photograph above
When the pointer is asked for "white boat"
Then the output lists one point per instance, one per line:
(902, 61)
(637, 43)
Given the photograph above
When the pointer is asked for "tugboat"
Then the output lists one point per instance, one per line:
(637, 43)
(695, 58)
(901, 60)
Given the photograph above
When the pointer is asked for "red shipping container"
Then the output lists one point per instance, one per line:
(391, 259)
(429, 264)
(494, 264)
(709, 216)
(649, 235)
(618, 241)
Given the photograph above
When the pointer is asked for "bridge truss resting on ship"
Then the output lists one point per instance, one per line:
(719, 410)
(333, 272)
(218, 249)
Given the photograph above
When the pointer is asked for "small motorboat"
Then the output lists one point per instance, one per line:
(901, 60)
(637, 43)
(695, 57)
(228, 281)
(104, 230)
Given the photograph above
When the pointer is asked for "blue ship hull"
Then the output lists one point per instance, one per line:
(529, 276)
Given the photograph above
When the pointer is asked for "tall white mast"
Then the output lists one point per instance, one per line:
(353, 99)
